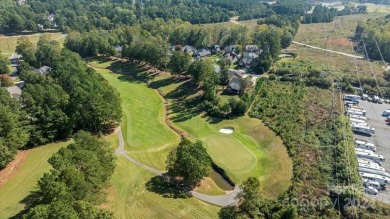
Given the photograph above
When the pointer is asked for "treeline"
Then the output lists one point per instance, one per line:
(85, 16)
(325, 14)
(150, 41)
(374, 32)
(74, 186)
(54, 105)
(382, 2)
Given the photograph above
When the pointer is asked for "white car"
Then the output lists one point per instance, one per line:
(381, 100)
(371, 190)
(386, 112)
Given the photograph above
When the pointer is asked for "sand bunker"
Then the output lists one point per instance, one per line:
(226, 130)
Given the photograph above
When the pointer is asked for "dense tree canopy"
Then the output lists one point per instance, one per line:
(13, 133)
(74, 186)
(189, 161)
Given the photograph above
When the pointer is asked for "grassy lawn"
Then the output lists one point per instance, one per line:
(25, 178)
(136, 193)
(9, 43)
(252, 150)
(147, 137)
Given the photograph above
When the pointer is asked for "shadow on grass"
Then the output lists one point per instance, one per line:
(136, 71)
(166, 189)
(30, 202)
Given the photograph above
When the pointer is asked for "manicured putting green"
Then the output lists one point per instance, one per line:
(229, 152)
(252, 150)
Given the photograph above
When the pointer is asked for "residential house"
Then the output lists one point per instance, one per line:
(14, 92)
(50, 17)
(118, 49)
(189, 49)
(44, 70)
(202, 53)
(217, 68)
(14, 59)
(215, 49)
(235, 77)
(251, 48)
(41, 27)
(232, 57)
(231, 48)
(248, 59)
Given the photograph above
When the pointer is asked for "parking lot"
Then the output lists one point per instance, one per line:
(381, 138)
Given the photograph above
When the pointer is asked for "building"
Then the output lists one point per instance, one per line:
(202, 53)
(44, 70)
(189, 49)
(14, 59)
(118, 48)
(251, 48)
(231, 56)
(217, 68)
(248, 59)
(215, 49)
(14, 92)
(50, 17)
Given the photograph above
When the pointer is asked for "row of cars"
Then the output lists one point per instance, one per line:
(375, 99)
(373, 175)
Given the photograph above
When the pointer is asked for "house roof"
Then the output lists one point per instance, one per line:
(118, 48)
(188, 48)
(251, 48)
(231, 48)
(217, 68)
(15, 56)
(44, 70)
(14, 91)
(235, 82)
(203, 52)
(50, 17)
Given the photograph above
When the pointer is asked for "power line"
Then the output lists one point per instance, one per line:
(372, 70)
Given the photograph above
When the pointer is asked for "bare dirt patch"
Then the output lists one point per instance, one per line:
(12, 167)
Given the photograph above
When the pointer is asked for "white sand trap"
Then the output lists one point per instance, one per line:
(226, 130)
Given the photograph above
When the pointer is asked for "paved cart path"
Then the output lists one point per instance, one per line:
(220, 200)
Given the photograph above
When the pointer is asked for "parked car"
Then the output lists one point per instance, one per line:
(371, 190)
(381, 100)
(386, 112)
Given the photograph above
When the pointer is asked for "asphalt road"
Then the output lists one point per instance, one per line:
(381, 139)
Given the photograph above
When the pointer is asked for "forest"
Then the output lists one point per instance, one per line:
(88, 15)
(53, 107)
(324, 14)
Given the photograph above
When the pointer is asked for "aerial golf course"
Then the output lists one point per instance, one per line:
(251, 150)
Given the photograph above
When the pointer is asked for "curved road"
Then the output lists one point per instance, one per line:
(220, 200)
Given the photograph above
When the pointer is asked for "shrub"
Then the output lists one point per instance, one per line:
(6, 81)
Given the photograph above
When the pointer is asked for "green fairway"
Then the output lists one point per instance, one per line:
(252, 150)
(147, 137)
(136, 194)
(25, 178)
(9, 43)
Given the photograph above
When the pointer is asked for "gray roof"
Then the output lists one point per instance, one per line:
(203, 52)
(118, 48)
(235, 82)
(44, 70)
(251, 48)
(50, 17)
(217, 68)
(231, 48)
(15, 56)
(14, 91)
(188, 48)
